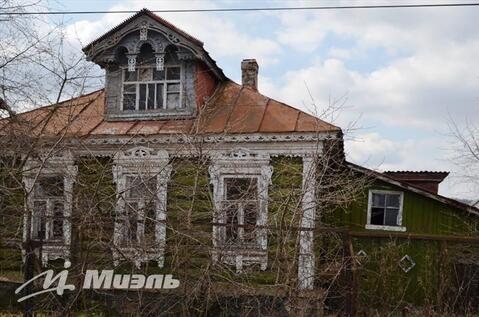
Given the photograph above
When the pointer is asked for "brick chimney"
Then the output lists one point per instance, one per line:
(249, 73)
(426, 180)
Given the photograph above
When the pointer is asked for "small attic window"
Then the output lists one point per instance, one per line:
(147, 88)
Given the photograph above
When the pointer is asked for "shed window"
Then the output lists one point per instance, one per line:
(385, 210)
(150, 89)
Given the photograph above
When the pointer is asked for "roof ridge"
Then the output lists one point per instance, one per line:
(264, 113)
(65, 128)
(232, 107)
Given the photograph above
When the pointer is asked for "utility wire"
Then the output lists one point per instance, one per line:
(392, 6)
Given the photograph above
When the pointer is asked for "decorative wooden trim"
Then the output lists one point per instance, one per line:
(50, 164)
(141, 161)
(240, 162)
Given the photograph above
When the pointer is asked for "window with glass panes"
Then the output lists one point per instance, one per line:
(241, 210)
(139, 216)
(48, 206)
(385, 208)
(151, 89)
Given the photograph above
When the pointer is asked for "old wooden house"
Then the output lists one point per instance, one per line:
(249, 202)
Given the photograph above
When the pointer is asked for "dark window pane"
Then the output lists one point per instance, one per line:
(39, 219)
(142, 101)
(57, 220)
(173, 101)
(241, 189)
(131, 221)
(129, 88)
(392, 200)
(377, 216)
(151, 96)
(129, 101)
(173, 87)
(172, 73)
(158, 75)
(131, 76)
(392, 217)
(141, 188)
(250, 212)
(231, 223)
(159, 96)
(49, 187)
(150, 223)
(378, 200)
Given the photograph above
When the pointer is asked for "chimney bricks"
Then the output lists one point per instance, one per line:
(249, 73)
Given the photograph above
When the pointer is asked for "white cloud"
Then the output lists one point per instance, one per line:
(416, 91)
(382, 154)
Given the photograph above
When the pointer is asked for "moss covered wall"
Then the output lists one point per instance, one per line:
(382, 284)
(93, 212)
(11, 217)
(189, 233)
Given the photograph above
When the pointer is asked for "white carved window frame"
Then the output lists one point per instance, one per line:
(48, 165)
(240, 163)
(399, 226)
(144, 162)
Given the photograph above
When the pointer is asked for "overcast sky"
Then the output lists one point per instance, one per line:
(402, 74)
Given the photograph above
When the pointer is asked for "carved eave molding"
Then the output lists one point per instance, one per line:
(211, 138)
(297, 144)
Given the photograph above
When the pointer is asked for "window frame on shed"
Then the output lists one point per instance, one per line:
(399, 226)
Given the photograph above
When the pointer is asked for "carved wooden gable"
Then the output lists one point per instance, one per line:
(150, 69)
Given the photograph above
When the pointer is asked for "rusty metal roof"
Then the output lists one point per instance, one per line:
(232, 109)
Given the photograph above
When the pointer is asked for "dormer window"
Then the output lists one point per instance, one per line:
(147, 88)
(153, 71)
